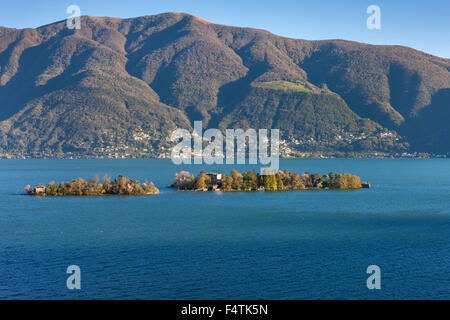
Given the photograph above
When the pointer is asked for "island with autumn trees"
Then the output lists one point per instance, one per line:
(271, 181)
(93, 187)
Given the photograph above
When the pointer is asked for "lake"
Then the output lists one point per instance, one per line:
(254, 245)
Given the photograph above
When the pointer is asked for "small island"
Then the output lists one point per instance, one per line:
(272, 181)
(80, 187)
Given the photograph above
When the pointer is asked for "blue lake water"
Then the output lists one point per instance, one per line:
(187, 245)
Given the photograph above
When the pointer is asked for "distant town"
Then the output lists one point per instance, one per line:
(289, 148)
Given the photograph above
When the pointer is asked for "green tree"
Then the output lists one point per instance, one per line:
(250, 180)
(279, 180)
(270, 182)
(253, 180)
(246, 182)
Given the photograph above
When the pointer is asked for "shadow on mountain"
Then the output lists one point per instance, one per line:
(403, 87)
(430, 131)
(232, 93)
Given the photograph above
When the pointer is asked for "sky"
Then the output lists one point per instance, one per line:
(420, 24)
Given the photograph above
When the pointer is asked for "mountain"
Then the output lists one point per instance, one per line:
(122, 85)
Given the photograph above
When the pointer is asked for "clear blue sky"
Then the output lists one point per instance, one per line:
(421, 24)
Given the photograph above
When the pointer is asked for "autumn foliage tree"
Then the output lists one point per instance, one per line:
(200, 181)
(347, 181)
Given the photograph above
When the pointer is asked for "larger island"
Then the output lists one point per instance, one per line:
(270, 181)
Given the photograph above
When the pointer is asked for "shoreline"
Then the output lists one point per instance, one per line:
(281, 158)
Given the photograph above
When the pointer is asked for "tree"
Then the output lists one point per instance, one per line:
(77, 187)
(106, 183)
(237, 180)
(52, 189)
(270, 182)
(149, 188)
(331, 178)
(297, 182)
(200, 182)
(183, 180)
(253, 180)
(246, 182)
(279, 179)
(287, 179)
(317, 180)
(227, 183)
(346, 181)
(250, 180)
(308, 180)
(123, 187)
(63, 190)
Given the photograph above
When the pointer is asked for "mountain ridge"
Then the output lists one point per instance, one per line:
(116, 80)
